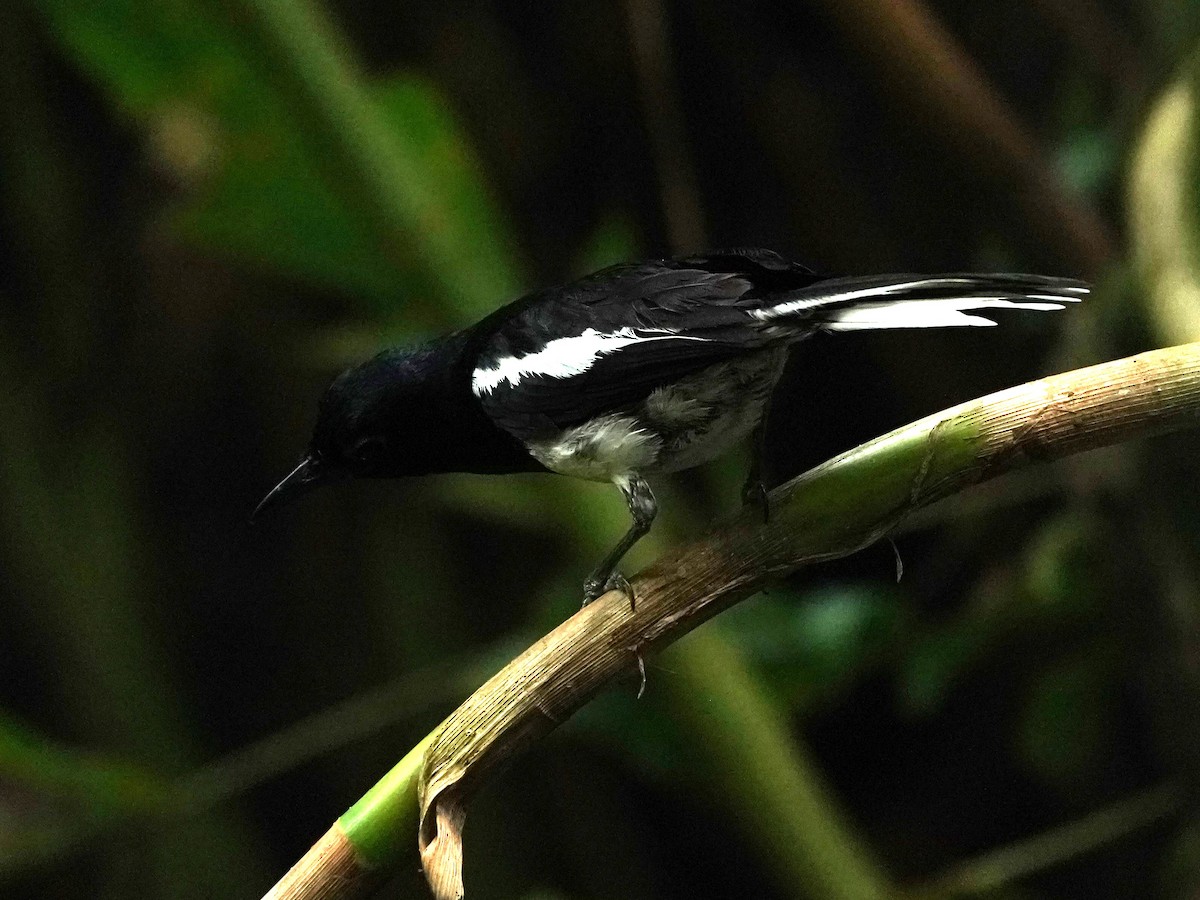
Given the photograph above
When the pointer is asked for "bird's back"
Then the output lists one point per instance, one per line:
(568, 355)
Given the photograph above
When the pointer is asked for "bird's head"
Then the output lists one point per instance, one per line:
(376, 420)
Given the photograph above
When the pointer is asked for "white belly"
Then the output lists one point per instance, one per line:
(600, 450)
(677, 427)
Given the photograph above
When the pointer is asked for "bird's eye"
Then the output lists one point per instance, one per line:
(368, 451)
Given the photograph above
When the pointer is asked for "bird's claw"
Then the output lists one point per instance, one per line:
(755, 494)
(594, 588)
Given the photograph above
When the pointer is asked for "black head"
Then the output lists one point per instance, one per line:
(393, 415)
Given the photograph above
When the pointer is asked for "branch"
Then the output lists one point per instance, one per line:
(921, 64)
(995, 869)
(1104, 45)
(828, 512)
(355, 856)
(662, 113)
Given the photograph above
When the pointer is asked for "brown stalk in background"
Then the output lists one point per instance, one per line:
(927, 70)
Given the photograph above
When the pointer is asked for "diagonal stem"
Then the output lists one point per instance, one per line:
(831, 511)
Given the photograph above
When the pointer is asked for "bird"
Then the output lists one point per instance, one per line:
(638, 369)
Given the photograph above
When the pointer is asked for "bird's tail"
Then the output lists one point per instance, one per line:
(915, 301)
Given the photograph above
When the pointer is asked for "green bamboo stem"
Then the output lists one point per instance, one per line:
(368, 823)
(830, 511)
(921, 64)
(354, 856)
(833, 510)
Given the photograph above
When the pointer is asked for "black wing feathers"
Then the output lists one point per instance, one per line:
(565, 355)
(613, 381)
(691, 313)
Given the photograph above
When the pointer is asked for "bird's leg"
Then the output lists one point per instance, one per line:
(643, 508)
(754, 491)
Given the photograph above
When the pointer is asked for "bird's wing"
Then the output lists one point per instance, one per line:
(567, 354)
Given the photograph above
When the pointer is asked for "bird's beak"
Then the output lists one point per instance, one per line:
(311, 473)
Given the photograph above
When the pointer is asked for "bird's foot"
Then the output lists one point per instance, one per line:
(754, 493)
(594, 587)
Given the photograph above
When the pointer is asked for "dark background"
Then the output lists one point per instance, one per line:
(208, 208)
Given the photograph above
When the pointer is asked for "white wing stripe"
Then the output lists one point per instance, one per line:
(565, 357)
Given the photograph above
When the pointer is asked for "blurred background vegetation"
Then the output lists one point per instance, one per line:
(209, 207)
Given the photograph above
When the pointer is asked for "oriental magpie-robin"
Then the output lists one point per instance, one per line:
(637, 369)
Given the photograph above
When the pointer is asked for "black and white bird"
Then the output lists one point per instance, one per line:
(637, 369)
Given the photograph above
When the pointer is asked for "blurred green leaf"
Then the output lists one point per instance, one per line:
(254, 180)
(1055, 584)
(50, 795)
(1065, 727)
(637, 730)
(809, 645)
(251, 187)
(934, 664)
(1064, 567)
(613, 241)
(97, 784)
(1088, 160)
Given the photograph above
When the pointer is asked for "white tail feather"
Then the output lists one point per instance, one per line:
(916, 301)
(944, 312)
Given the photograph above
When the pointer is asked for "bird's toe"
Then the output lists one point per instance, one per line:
(594, 588)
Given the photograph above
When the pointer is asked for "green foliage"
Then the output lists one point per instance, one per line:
(813, 646)
(98, 787)
(1066, 727)
(254, 182)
